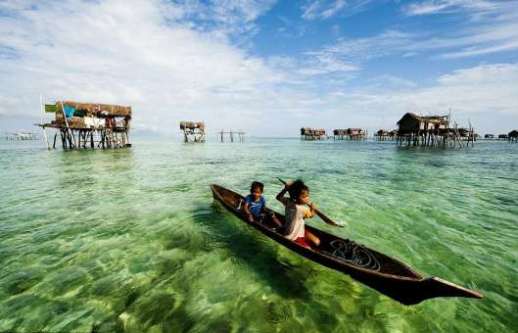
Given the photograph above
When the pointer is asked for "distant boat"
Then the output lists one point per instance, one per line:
(374, 269)
(21, 136)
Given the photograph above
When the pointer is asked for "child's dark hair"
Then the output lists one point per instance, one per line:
(257, 185)
(297, 188)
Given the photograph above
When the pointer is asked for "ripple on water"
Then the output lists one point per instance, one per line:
(124, 241)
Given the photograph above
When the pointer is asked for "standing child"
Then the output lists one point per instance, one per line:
(298, 207)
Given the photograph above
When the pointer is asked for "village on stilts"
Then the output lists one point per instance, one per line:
(80, 125)
(414, 130)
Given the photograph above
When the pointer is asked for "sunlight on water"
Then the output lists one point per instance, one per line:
(131, 241)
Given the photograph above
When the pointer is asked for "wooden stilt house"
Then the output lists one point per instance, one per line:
(193, 131)
(416, 130)
(385, 135)
(307, 133)
(349, 133)
(88, 125)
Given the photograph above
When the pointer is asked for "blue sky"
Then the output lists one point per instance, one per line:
(267, 67)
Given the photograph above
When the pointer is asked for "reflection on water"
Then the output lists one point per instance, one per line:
(131, 241)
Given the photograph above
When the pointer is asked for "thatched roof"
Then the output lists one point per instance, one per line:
(312, 131)
(513, 134)
(192, 125)
(428, 119)
(348, 131)
(383, 132)
(96, 109)
(412, 123)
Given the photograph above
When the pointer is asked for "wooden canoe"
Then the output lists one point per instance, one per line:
(374, 269)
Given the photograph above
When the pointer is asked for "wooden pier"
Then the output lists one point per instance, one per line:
(87, 125)
(233, 136)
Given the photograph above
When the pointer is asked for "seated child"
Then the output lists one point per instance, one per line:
(254, 202)
(297, 208)
(254, 205)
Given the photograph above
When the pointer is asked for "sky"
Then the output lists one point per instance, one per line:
(266, 67)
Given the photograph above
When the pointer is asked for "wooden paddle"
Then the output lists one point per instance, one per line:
(320, 214)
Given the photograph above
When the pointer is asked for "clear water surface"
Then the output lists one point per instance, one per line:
(131, 241)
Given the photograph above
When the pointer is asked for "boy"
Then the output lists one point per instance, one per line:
(254, 205)
(254, 202)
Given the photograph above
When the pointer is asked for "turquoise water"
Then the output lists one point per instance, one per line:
(131, 241)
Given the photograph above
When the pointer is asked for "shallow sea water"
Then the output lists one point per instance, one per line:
(131, 241)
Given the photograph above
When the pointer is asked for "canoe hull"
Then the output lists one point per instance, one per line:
(396, 279)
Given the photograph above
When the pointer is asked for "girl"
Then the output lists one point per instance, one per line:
(297, 208)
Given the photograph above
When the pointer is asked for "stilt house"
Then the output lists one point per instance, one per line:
(193, 131)
(88, 125)
(432, 131)
(385, 135)
(313, 133)
(350, 133)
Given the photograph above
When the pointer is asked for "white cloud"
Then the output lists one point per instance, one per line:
(481, 89)
(114, 53)
(476, 51)
(172, 65)
(495, 33)
(491, 26)
(324, 9)
(362, 49)
(221, 17)
(498, 33)
(449, 6)
(480, 94)
(324, 63)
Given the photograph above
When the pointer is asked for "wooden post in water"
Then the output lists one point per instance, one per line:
(42, 107)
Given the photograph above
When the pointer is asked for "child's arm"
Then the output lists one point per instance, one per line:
(247, 212)
(281, 194)
(311, 212)
(263, 203)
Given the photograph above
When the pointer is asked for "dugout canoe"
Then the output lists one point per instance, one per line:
(387, 275)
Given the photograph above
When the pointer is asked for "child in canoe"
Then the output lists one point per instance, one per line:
(254, 204)
(298, 207)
